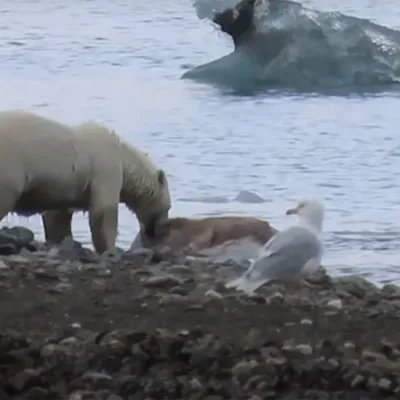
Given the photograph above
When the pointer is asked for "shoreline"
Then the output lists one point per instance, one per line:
(135, 325)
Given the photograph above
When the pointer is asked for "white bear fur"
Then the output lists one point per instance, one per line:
(50, 168)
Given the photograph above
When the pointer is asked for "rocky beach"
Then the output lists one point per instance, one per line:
(142, 325)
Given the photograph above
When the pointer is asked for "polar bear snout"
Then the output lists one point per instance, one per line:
(149, 226)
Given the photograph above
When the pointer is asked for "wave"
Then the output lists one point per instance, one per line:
(280, 43)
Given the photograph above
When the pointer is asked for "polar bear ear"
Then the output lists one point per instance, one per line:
(162, 178)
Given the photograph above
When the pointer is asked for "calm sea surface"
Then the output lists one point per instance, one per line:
(120, 63)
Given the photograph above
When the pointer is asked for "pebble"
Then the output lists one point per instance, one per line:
(336, 303)
(391, 291)
(304, 349)
(69, 341)
(357, 381)
(60, 288)
(172, 298)
(384, 384)
(179, 290)
(75, 396)
(17, 259)
(255, 397)
(180, 270)
(103, 272)
(213, 294)
(162, 281)
(190, 260)
(196, 385)
(3, 265)
(140, 256)
(277, 297)
(243, 368)
(98, 379)
(114, 397)
(48, 350)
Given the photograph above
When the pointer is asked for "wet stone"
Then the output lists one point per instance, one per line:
(98, 379)
(7, 249)
(355, 285)
(180, 270)
(18, 259)
(391, 291)
(165, 281)
(179, 290)
(172, 299)
(13, 240)
(70, 249)
(212, 294)
(60, 288)
(138, 257)
(335, 304)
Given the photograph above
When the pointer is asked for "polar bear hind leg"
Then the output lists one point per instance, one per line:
(57, 225)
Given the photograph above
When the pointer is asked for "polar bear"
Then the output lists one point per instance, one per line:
(54, 169)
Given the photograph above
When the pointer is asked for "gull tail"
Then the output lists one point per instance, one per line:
(245, 285)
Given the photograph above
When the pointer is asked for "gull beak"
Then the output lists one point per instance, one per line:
(292, 211)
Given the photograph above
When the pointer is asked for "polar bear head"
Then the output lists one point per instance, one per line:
(145, 188)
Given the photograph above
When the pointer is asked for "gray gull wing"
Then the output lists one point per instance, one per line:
(284, 256)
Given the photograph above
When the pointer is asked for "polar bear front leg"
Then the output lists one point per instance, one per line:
(103, 210)
(57, 225)
(103, 226)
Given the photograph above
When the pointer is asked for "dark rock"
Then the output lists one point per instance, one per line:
(23, 236)
(26, 379)
(138, 257)
(245, 196)
(7, 249)
(98, 380)
(179, 290)
(70, 249)
(391, 291)
(36, 393)
(355, 285)
(17, 235)
(12, 240)
(163, 281)
(3, 394)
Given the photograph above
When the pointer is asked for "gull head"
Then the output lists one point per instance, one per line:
(310, 212)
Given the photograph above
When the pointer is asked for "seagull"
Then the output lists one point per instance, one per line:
(292, 253)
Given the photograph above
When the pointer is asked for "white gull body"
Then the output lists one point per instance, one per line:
(291, 253)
